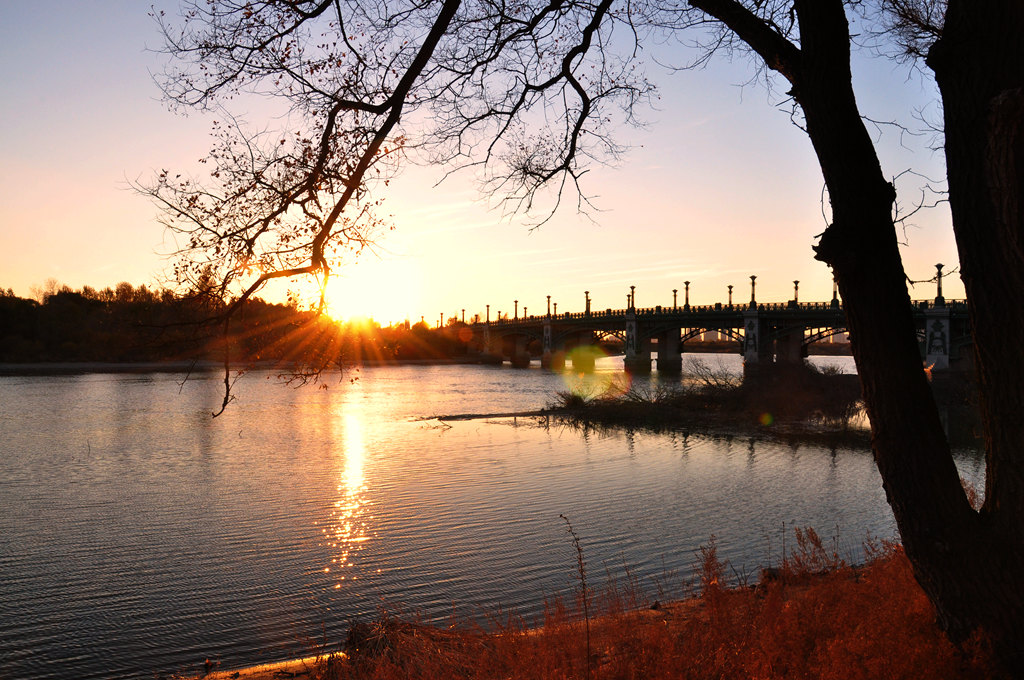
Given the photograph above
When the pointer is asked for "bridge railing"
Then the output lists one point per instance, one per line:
(930, 304)
(959, 305)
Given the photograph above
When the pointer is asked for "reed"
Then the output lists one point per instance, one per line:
(812, 616)
(581, 574)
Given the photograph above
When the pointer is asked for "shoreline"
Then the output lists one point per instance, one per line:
(653, 614)
(290, 668)
(41, 368)
(813, 612)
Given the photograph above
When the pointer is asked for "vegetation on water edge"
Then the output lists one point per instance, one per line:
(814, 616)
(799, 395)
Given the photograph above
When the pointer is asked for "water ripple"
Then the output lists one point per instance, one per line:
(138, 536)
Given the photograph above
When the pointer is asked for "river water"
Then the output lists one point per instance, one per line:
(139, 536)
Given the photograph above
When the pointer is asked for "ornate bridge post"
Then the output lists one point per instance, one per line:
(756, 345)
(492, 346)
(552, 358)
(937, 336)
(638, 357)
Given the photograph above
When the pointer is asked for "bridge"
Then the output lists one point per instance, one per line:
(763, 333)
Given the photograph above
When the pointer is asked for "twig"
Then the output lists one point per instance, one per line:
(581, 571)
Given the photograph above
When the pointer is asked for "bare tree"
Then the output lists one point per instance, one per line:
(528, 94)
(472, 77)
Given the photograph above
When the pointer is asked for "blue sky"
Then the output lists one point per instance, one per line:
(719, 185)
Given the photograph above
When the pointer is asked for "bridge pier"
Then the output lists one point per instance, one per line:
(583, 360)
(638, 352)
(670, 358)
(517, 351)
(553, 361)
(552, 357)
(789, 346)
(637, 365)
(756, 347)
(937, 333)
(583, 355)
(490, 349)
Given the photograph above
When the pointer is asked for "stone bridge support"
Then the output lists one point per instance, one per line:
(553, 355)
(757, 349)
(938, 332)
(476, 342)
(670, 358)
(554, 361)
(490, 347)
(638, 351)
(583, 351)
(789, 346)
(519, 354)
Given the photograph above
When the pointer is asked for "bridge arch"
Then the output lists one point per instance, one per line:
(823, 333)
(732, 333)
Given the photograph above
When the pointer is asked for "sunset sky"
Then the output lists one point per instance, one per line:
(720, 185)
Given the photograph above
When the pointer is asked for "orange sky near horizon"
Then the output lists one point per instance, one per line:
(719, 185)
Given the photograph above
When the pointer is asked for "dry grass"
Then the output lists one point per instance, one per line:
(813, 617)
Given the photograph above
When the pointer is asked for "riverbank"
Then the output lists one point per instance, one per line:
(88, 367)
(812, 617)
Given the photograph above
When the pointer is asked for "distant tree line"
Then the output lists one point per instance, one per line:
(138, 324)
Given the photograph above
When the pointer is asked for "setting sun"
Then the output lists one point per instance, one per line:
(385, 290)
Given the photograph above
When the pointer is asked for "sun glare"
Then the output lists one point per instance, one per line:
(387, 291)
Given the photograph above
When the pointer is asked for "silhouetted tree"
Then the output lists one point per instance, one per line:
(473, 77)
(979, 66)
(965, 560)
(18, 328)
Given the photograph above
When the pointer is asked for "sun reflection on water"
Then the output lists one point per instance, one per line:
(346, 528)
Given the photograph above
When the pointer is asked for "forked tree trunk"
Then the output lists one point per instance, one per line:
(979, 66)
(922, 485)
(970, 564)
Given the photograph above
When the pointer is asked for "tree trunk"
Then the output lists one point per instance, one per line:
(941, 533)
(968, 563)
(979, 67)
